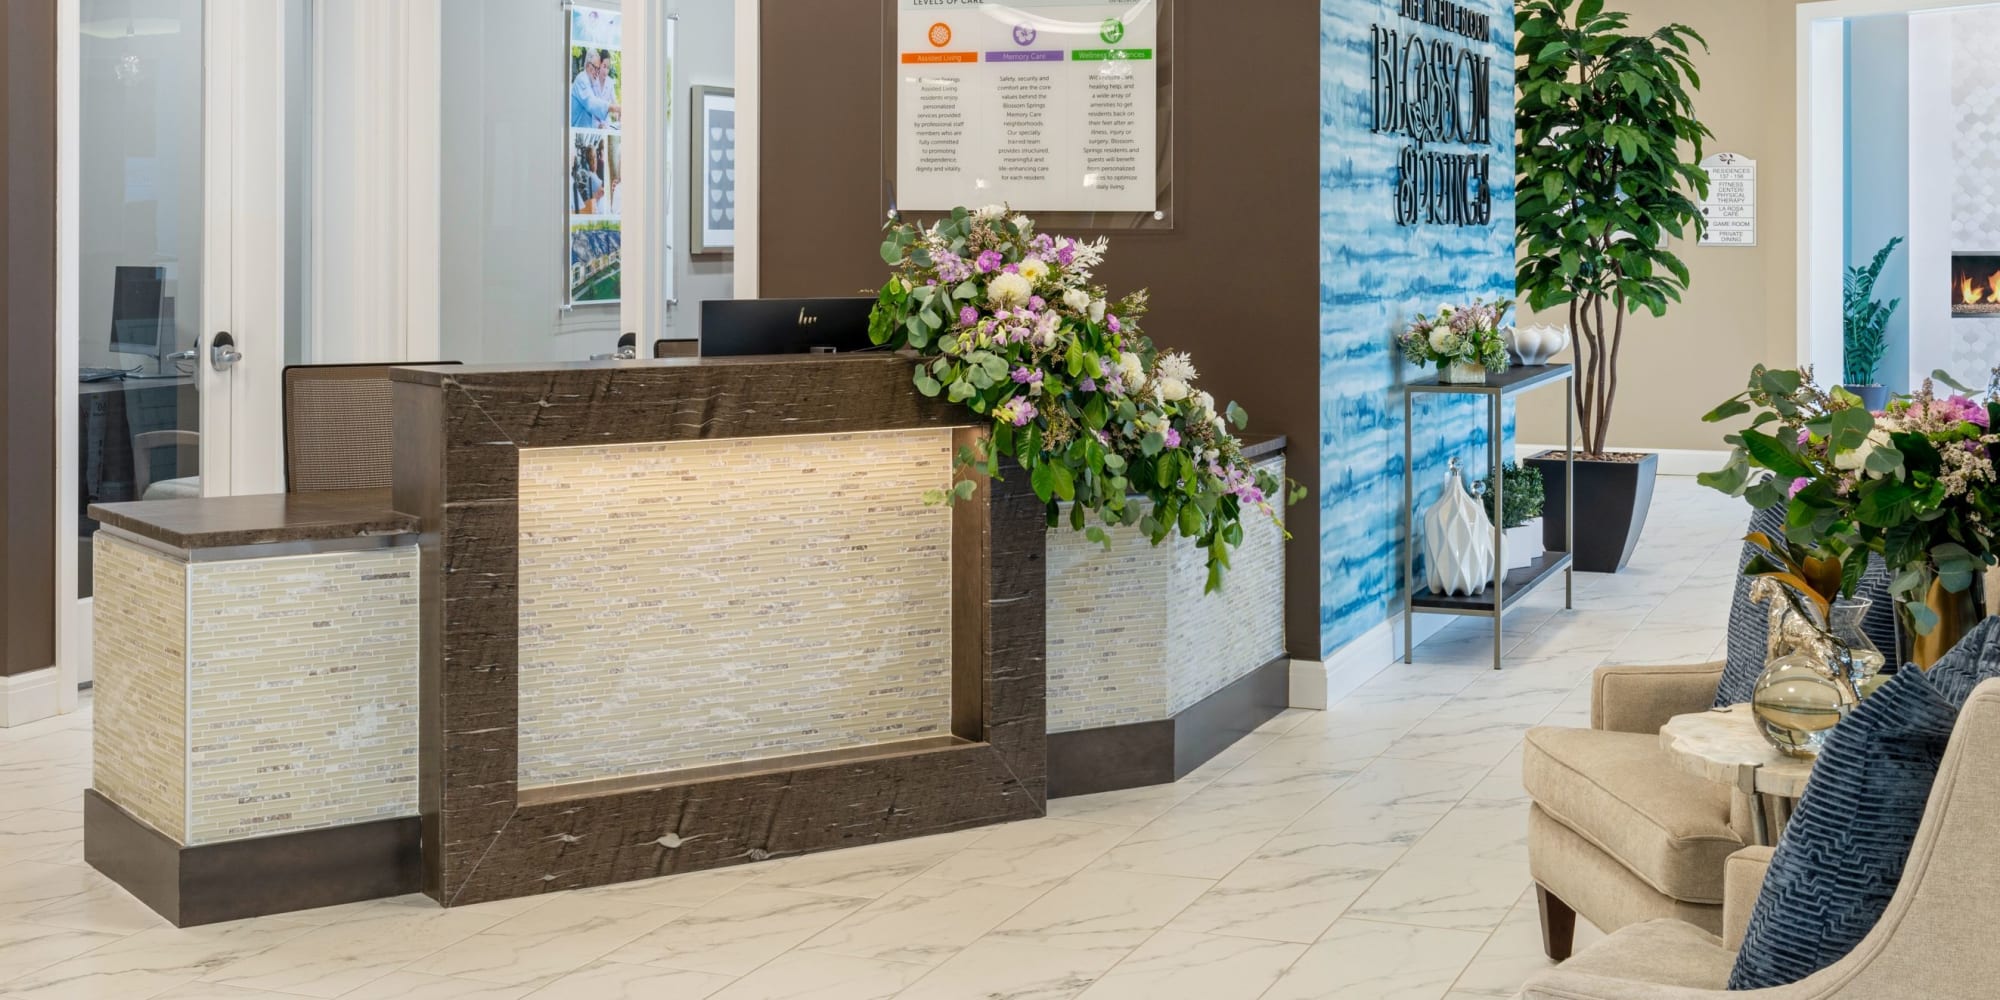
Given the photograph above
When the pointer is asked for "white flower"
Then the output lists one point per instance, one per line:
(1210, 455)
(1097, 310)
(1034, 270)
(1220, 428)
(989, 213)
(1857, 460)
(1444, 342)
(1045, 327)
(1178, 367)
(1132, 370)
(1172, 390)
(1204, 405)
(1009, 291)
(1077, 300)
(1024, 224)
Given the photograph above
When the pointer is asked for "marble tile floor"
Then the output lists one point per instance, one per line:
(1374, 851)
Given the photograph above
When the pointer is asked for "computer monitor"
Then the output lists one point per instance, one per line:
(140, 323)
(740, 327)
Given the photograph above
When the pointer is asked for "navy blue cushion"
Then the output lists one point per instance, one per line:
(1750, 625)
(1838, 863)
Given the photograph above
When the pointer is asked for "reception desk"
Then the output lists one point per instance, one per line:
(626, 619)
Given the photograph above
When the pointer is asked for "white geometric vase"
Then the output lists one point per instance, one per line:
(1458, 541)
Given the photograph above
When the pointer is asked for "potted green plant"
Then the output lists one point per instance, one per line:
(1523, 499)
(1609, 156)
(1867, 323)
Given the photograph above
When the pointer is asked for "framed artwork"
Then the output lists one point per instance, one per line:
(595, 79)
(712, 151)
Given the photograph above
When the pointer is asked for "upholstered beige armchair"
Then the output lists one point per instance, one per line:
(1617, 832)
(1935, 941)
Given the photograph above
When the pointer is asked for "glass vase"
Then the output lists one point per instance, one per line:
(1463, 373)
(1798, 701)
(1854, 654)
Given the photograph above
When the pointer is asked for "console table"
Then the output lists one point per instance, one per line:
(1508, 587)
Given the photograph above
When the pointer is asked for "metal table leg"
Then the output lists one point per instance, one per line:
(1499, 519)
(1409, 530)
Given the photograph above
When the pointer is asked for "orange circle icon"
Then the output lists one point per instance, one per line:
(940, 34)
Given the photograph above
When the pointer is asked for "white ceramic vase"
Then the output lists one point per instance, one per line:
(1458, 541)
(1535, 345)
(1523, 545)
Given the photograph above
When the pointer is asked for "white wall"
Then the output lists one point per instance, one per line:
(505, 250)
(1954, 200)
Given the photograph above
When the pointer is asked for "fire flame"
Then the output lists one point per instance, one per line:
(1972, 295)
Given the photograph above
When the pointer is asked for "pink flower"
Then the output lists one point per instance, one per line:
(1173, 438)
(1799, 484)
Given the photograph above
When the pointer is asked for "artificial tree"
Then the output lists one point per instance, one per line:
(1866, 325)
(1609, 169)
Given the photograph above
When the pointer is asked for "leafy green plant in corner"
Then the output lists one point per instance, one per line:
(1609, 167)
(1524, 496)
(1867, 318)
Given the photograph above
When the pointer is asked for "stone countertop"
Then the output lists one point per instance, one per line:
(227, 522)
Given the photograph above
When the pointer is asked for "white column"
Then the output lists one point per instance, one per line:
(749, 144)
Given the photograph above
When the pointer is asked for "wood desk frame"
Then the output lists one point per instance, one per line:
(460, 431)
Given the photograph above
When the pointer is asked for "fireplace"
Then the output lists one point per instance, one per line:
(1975, 284)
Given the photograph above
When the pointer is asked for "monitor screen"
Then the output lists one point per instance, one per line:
(739, 327)
(138, 295)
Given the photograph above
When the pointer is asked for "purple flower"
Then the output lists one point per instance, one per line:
(968, 316)
(1028, 376)
(1017, 411)
(990, 262)
(1799, 484)
(952, 269)
(1088, 384)
(1013, 269)
(1112, 322)
(1067, 252)
(1036, 304)
(1805, 437)
(1173, 438)
(1115, 384)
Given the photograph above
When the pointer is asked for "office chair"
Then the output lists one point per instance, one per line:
(339, 427)
(676, 348)
(186, 446)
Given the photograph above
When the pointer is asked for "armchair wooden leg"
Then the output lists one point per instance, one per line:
(1558, 925)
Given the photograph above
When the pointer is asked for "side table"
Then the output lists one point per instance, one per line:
(1508, 588)
(1724, 746)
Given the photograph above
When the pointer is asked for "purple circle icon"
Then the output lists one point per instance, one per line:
(1024, 34)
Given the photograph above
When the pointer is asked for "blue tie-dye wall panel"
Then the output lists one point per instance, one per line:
(1374, 276)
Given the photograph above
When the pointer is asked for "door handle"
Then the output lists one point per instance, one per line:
(222, 352)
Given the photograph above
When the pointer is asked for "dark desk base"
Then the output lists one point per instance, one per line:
(251, 878)
(1089, 761)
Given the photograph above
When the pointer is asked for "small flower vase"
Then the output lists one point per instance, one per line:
(1463, 373)
(1458, 541)
(1820, 678)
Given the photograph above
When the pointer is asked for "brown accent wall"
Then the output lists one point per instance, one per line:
(27, 334)
(1236, 283)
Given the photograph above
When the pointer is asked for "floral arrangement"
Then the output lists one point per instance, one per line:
(1008, 321)
(1914, 483)
(1459, 335)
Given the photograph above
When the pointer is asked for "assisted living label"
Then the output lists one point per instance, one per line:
(1046, 105)
(1731, 208)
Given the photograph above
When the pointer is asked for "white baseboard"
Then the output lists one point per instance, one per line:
(30, 697)
(1673, 461)
(1315, 685)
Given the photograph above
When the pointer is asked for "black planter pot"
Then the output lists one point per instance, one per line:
(1612, 500)
(1874, 397)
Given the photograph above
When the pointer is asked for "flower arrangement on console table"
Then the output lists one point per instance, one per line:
(1464, 342)
(1008, 321)
(1914, 483)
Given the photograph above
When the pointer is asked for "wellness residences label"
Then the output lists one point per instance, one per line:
(1047, 105)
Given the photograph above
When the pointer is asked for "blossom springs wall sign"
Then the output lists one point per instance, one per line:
(1434, 90)
(1007, 321)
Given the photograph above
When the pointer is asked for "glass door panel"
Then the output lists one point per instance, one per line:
(140, 255)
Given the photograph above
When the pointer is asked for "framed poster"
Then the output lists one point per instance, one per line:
(712, 219)
(595, 82)
(1051, 106)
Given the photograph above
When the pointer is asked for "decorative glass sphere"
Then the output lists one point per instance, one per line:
(1797, 703)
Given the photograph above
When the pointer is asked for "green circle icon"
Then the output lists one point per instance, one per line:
(1113, 31)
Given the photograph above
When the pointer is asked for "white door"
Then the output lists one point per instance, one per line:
(172, 139)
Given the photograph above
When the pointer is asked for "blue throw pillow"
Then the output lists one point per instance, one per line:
(1838, 863)
(1750, 626)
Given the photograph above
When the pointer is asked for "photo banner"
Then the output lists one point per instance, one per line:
(1046, 105)
(596, 79)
